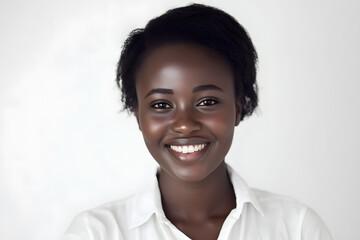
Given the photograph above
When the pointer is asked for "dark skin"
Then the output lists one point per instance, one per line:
(199, 210)
(187, 111)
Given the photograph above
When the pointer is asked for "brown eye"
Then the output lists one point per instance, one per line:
(160, 105)
(208, 102)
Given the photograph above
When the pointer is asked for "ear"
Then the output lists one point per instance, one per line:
(136, 111)
(238, 106)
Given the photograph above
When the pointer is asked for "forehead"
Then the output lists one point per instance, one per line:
(189, 63)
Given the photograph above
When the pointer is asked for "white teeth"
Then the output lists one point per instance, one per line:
(188, 148)
(191, 149)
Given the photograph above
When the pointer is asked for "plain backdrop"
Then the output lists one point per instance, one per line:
(65, 146)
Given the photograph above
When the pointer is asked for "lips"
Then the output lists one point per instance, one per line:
(188, 152)
(188, 148)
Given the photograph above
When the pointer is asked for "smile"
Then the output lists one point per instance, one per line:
(188, 148)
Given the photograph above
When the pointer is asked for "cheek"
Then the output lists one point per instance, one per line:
(222, 124)
(153, 128)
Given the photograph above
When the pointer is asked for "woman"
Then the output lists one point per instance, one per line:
(190, 77)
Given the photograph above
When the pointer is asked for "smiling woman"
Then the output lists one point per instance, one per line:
(190, 78)
(193, 110)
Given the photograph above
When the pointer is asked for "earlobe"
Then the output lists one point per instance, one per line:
(136, 111)
(238, 111)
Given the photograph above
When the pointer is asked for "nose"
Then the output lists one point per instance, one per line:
(185, 122)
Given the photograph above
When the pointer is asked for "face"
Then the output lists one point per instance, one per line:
(187, 109)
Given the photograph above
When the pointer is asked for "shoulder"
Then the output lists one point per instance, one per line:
(313, 226)
(273, 202)
(107, 221)
(285, 211)
(118, 219)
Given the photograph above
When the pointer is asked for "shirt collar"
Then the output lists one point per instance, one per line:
(243, 194)
(143, 206)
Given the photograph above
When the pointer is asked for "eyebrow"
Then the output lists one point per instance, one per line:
(206, 87)
(160, 90)
(195, 89)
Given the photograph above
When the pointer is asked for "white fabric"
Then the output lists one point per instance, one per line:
(258, 215)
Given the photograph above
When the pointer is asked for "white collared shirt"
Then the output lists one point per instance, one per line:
(258, 215)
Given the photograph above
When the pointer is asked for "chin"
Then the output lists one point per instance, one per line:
(191, 174)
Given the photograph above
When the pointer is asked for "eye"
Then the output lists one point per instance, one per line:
(161, 105)
(208, 102)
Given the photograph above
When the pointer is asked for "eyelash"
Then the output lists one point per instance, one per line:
(203, 103)
(156, 105)
(213, 102)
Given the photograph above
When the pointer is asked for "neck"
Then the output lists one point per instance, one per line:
(211, 197)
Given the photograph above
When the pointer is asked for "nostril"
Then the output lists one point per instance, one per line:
(186, 127)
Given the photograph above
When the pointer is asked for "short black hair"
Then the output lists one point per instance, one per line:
(199, 24)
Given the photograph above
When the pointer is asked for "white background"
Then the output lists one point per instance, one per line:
(65, 148)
